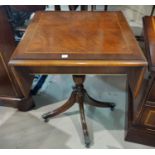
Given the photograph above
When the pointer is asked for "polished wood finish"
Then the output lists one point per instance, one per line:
(80, 96)
(80, 43)
(10, 90)
(44, 41)
(77, 32)
(142, 128)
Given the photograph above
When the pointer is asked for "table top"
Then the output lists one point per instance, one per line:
(78, 38)
(149, 33)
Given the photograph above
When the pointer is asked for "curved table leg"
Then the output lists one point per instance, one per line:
(83, 121)
(79, 95)
(89, 100)
(61, 109)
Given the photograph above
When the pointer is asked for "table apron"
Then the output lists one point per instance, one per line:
(135, 74)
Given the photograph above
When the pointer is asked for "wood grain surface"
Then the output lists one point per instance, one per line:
(80, 36)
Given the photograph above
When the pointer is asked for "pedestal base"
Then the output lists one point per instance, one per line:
(79, 95)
